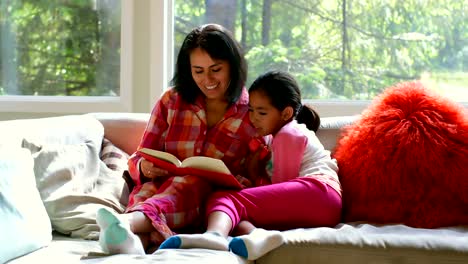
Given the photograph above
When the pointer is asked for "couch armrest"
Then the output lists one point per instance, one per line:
(331, 128)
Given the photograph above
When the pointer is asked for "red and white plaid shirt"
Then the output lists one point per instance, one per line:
(181, 128)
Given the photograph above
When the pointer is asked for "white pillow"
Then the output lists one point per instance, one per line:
(24, 223)
(73, 184)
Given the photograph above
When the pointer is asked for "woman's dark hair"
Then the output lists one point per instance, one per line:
(283, 91)
(220, 44)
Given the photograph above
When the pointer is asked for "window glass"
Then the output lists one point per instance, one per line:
(60, 48)
(344, 49)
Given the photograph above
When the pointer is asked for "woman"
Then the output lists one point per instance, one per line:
(205, 113)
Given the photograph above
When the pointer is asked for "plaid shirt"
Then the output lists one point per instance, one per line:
(181, 129)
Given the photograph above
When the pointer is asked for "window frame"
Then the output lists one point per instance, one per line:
(84, 104)
(161, 48)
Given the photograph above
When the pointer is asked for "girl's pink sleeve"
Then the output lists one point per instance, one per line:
(288, 150)
(153, 138)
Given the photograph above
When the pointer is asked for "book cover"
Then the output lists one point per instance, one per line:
(208, 168)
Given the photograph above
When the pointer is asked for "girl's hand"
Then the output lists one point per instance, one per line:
(246, 183)
(150, 171)
(256, 163)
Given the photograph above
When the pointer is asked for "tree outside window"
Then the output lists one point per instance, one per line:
(345, 49)
(66, 48)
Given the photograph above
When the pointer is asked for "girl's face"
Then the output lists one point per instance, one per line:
(211, 76)
(266, 118)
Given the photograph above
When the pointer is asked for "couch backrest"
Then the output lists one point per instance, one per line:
(123, 129)
(126, 129)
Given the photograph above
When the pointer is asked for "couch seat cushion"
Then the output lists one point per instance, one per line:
(358, 242)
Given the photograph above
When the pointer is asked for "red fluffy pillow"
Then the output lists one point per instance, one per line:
(406, 160)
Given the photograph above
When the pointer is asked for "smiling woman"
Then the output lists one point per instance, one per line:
(203, 113)
(211, 76)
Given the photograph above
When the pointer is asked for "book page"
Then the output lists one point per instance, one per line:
(162, 155)
(206, 163)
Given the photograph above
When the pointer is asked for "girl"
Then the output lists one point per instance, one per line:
(305, 190)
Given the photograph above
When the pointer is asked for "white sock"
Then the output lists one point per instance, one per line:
(207, 240)
(115, 236)
(256, 244)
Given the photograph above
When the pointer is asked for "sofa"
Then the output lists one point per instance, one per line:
(73, 164)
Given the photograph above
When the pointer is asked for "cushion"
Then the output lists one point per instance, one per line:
(25, 226)
(404, 160)
(74, 183)
(358, 243)
(115, 158)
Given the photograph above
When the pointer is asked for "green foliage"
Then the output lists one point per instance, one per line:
(73, 47)
(385, 42)
(61, 48)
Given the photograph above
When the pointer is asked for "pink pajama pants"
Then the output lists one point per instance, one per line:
(299, 203)
(177, 204)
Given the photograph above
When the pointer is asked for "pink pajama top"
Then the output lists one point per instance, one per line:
(297, 152)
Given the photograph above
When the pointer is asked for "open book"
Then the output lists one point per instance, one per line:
(211, 169)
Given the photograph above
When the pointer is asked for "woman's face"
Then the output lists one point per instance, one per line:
(264, 116)
(211, 76)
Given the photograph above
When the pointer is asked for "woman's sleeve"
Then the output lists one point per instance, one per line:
(153, 136)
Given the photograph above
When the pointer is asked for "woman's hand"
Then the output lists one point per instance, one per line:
(150, 171)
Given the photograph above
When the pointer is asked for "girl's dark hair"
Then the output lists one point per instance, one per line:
(283, 91)
(220, 44)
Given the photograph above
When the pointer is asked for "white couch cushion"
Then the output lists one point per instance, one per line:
(72, 181)
(24, 223)
(359, 242)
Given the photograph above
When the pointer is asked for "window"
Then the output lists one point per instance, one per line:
(64, 56)
(344, 52)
